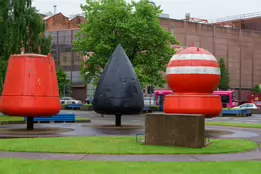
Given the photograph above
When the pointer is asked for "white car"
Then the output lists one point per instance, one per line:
(247, 106)
(149, 101)
(69, 100)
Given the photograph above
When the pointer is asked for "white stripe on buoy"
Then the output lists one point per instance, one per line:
(193, 57)
(193, 70)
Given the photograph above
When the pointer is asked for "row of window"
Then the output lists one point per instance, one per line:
(62, 37)
(76, 77)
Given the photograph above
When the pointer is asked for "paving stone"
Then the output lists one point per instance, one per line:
(147, 158)
(41, 156)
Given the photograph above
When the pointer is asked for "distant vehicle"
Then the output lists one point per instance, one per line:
(228, 98)
(69, 100)
(149, 101)
(160, 96)
(257, 103)
(247, 106)
(88, 101)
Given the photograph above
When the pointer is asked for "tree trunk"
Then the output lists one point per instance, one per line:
(30, 123)
(118, 120)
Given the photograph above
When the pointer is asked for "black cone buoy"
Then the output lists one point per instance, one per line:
(119, 91)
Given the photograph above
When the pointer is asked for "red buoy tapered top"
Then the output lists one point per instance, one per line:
(31, 87)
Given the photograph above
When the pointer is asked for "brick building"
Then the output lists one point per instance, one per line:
(250, 21)
(240, 48)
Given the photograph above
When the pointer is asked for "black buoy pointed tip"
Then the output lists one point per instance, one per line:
(119, 46)
(118, 49)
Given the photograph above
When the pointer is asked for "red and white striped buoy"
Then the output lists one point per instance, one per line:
(193, 70)
(193, 74)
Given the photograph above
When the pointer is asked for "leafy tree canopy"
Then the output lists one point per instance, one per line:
(224, 80)
(136, 26)
(21, 27)
(63, 82)
(256, 89)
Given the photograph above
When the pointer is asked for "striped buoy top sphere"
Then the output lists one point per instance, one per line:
(193, 70)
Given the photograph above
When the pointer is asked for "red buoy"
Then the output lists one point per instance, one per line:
(193, 74)
(31, 87)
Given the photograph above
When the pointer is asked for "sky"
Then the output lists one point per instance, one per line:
(204, 9)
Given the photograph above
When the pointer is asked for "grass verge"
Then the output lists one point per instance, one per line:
(242, 125)
(90, 167)
(116, 145)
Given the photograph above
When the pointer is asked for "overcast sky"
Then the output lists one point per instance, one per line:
(206, 9)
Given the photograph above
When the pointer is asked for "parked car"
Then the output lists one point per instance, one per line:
(247, 106)
(88, 101)
(69, 100)
(149, 101)
(258, 103)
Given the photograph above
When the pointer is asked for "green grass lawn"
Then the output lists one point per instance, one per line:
(242, 125)
(8, 119)
(18, 166)
(116, 145)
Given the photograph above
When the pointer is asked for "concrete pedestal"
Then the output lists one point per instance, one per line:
(175, 130)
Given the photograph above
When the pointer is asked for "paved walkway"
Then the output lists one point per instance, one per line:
(253, 155)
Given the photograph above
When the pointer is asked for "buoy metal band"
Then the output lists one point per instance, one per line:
(193, 70)
(193, 57)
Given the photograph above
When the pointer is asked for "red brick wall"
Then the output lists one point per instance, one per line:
(239, 48)
(249, 24)
(57, 22)
(60, 22)
(76, 22)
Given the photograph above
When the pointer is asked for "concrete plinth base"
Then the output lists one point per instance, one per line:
(175, 130)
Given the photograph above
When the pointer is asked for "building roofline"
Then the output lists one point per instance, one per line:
(48, 17)
(76, 17)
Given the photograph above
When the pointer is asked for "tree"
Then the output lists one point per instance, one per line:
(21, 27)
(63, 82)
(113, 22)
(224, 80)
(256, 89)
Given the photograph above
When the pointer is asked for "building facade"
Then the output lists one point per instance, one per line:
(63, 31)
(250, 21)
(240, 49)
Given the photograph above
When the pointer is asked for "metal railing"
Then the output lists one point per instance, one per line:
(239, 17)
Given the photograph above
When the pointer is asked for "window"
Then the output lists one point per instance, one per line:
(77, 78)
(65, 58)
(77, 58)
(65, 37)
(250, 105)
(53, 36)
(161, 99)
(225, 99)
(173, 30)
(233, 96)
(243, 106)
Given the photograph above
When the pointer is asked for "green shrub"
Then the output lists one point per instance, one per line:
(154, 107)
(88, 105)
